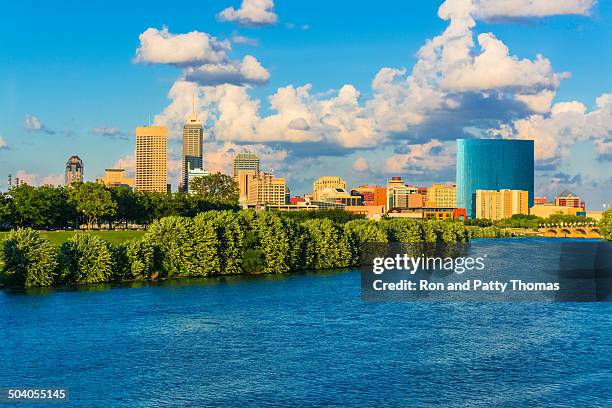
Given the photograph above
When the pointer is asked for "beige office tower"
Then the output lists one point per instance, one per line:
(267, 189)
(152, 158)
(326, 182)
(441, 196)
(243, 178)
(193, 149)
(497, 205)
(245, 161)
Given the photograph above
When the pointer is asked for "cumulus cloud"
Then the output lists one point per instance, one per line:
(163, 47)
(204, 58)
(33, 124)
(251, 13)
(3, 144)
(32, 179)
(494, 9)
(361, 165)
(566, 124)
(418, 159)
(247, 71)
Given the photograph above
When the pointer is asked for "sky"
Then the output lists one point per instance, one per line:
(351, 88)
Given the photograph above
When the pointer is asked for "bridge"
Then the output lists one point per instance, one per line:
(585, 230)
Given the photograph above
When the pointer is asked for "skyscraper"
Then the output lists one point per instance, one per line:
(74, 170)
(245, 161)
(326, 182)
(193, 154)
(493, 164)
(152, 158)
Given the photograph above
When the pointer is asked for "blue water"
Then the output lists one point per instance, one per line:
(302, 340)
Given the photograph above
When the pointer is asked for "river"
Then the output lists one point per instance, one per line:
(304, 340)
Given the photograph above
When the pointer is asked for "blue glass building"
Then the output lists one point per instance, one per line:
(492, 164)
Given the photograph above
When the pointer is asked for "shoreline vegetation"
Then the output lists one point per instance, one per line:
(214, 243)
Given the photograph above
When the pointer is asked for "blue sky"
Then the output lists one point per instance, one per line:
(71, 66)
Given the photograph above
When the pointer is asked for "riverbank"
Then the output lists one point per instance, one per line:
(214, 243)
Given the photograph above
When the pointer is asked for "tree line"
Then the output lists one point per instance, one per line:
(93, 204)
(211, 243)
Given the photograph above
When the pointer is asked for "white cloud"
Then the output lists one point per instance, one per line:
(163, 47)
(3, 144)
(361, 165)
(33, 124)
(204, 58)
(128, 163)
(53, 180)
(491, 9)
(251, 13)
(28, 178)
(433, 156)
(566, 124)
(247, 71)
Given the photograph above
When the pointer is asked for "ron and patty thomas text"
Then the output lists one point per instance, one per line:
(458, 265)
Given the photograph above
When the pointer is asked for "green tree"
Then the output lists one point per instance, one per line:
(85, 258)
(127, 205)
(7, 211)
(94, 202)
(359, 233)
(29, 258)
(174, 236)
(605, 224)
(215, 186)
(327, 248)
(272, 242)
(142, 258)
(229, 239)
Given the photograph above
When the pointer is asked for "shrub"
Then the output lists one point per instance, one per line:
(29, 258)
(85, 258)
(272, 242)
(327, 249)
(224, 234)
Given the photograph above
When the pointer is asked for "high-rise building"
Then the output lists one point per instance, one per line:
(265, 189)
(400, 196)
(569, 199)
(441, 196)
(152, 158)
(243, 179)
(245, 161)
(323, 183)
(74, 170)
(497, 205)
(116, 178)
(493, 164)
(193, 148)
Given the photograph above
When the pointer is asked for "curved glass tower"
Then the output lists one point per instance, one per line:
(492, 164)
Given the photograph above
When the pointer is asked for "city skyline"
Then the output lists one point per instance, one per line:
(367, 115)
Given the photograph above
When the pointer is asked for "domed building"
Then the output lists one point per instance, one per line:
(74, 170)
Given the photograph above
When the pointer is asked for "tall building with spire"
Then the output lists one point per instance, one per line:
(193, 147)
(74, 170)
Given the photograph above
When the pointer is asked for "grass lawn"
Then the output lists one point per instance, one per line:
(114, 237)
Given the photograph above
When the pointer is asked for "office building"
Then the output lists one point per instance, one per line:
(243, 178)
(546, 210)
(327, 182)
(116, 178)
(193, 148)
(439, 195)
(152, 158)
(74, 170)
(569, 199)
(371, 195)
(245, 161)
(497, 205)
(337, 195)
(193, 174)
(265, 189)
(540, 200)
(401, 196)
(493, 164)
